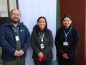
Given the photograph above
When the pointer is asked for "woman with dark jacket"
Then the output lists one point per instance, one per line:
(66, 42)
(42, 43)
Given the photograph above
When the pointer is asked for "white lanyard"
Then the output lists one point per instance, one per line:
(42, 38)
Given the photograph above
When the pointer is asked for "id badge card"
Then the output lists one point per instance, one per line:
(17, 38)
(42, 46)
(65, 43)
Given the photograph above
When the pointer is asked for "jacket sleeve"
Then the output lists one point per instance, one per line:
(48, 48)
(27, 40)
(58, 42)
(33, 45)
(4, 44)
(74, 42)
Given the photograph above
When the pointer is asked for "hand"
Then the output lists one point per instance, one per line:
(40, 54)
(16, 53)
(65, 56)
(21, 52)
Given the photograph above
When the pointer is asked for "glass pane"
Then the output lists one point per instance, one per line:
(12, 4)
(3, 8)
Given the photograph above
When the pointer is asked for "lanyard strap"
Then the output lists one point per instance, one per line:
(66, 34)
(16, 30)
(42, 38)
(16, 33)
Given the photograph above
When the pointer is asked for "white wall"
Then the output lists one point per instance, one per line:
(30, 11)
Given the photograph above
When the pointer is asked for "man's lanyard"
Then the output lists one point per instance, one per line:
(16, 33)
(66, 34)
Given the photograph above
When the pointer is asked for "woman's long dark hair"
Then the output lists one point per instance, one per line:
(44, 19)
(36, 27)
(66, 16)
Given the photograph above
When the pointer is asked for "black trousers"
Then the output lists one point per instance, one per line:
(17, 61)
(46, 62)
(62, 61)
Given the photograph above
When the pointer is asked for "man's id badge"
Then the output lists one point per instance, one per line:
(42, 46)
(17, 38)
(65, 43)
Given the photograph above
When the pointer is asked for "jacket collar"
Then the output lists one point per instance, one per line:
(10, 24)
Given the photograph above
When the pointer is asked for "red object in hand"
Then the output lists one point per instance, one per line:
(42, 58)
(65, 56)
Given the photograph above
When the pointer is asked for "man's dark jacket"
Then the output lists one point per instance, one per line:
(8, 42)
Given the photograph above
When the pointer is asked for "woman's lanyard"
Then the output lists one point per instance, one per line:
(66, 34)
(42, 38)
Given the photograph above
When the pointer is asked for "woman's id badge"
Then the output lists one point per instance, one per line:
(42, 46)
(65, 43)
